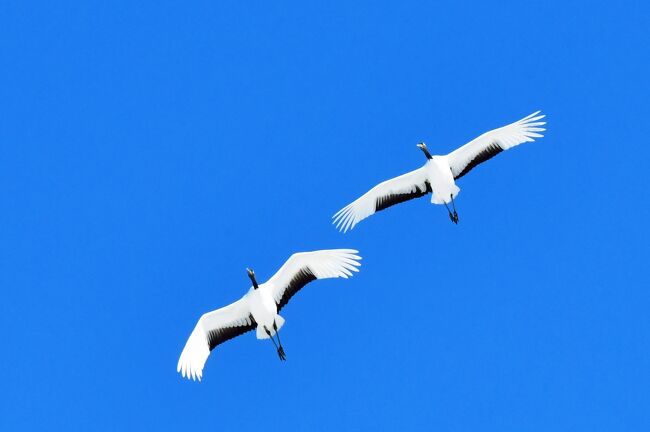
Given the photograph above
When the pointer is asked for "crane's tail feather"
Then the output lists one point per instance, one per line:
(445, 196)
(261, 333)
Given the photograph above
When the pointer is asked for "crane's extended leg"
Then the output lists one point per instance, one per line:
(279, 349)
(455, 217)
(281, 353)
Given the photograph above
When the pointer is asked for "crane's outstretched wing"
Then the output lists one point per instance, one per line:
(491, 143)
(213, 329)
(302, 268)
(394, 191)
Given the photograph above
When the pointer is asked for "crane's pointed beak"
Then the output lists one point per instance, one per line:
(422, 146)
(251, 275)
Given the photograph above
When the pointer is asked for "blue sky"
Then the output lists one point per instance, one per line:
(152, 151)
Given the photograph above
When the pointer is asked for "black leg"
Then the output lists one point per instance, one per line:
(451, 215)
(455, 217)
(281, 352)
(279, 349)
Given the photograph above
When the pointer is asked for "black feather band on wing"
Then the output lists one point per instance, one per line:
(302, 278)
(486, 154)
(221, 335)
(392, 199)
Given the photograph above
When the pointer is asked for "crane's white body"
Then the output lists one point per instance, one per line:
(438, 173)
(264, 310)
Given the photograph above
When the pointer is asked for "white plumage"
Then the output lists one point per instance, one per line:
(259, 308)
(439, 173)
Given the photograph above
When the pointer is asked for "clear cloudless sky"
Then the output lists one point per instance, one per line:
(151, 151)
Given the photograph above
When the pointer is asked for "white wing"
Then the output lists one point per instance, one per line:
(302, 268)
(488, 145)
(213, 329)
(394, 191)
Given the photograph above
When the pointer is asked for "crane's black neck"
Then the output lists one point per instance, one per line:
(426, 152)
(251, 275)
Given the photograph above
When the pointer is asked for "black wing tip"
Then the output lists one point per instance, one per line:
(390, 200)
(220, 335)
(484, 155)
(298, 281)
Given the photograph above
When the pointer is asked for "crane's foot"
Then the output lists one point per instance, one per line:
(454, 217)
(281, 354)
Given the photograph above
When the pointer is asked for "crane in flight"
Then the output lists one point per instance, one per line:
(439, 174)
(259, 308)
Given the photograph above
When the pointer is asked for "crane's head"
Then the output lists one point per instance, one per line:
(251, 274)
(422, 146)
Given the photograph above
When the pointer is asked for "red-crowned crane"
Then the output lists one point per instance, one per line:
(439, 173)
(259, 308)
